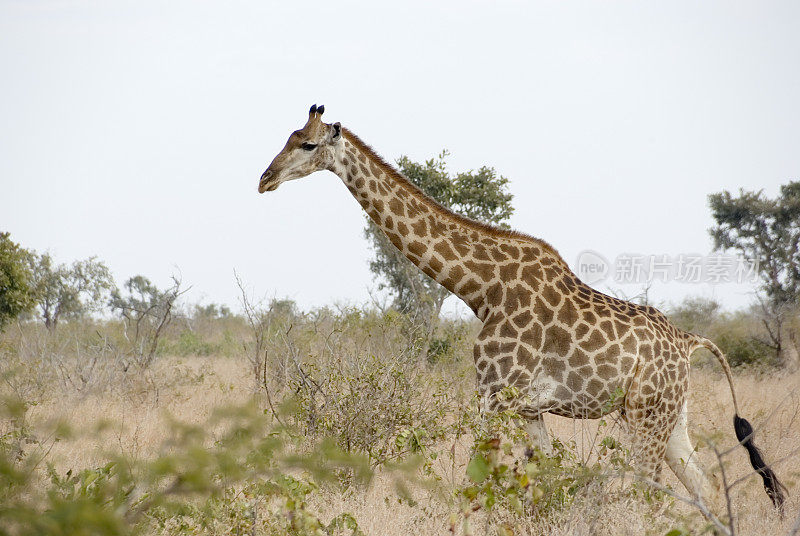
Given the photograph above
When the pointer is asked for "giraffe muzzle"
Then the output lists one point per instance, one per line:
(264, 184)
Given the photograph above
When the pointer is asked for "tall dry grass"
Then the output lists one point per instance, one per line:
(132, 411)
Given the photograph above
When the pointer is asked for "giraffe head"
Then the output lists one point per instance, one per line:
(308, 150)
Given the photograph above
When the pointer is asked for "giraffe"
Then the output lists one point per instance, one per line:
(566, 348)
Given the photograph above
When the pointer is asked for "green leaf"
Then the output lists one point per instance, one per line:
(490, 498)
(470, 492)
(478, 468)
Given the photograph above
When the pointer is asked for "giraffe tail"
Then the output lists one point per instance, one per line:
(744, 430)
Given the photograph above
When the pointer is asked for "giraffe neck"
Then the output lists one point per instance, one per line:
(464, 256)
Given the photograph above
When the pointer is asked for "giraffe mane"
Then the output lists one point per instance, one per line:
(438, 208)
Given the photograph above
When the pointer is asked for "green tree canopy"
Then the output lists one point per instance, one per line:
(15, 292)
(766, 230)
(68, 291)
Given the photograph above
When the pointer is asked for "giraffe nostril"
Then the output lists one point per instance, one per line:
(265, 178)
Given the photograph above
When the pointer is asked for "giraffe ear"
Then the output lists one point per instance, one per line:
(336, 131)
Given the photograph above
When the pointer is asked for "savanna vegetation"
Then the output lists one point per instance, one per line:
(131, 411)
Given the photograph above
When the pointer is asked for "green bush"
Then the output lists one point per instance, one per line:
(695, 314)
(742, 349)
(377, 408)
(513, 491)
(16, 295)
(191, 343)
(254, 478)
(353, 375)
(450, 340)
(740, 335)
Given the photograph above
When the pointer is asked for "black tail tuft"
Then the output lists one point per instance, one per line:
(775, 490)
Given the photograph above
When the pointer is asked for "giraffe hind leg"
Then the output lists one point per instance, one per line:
(683, 460)
(649, 424)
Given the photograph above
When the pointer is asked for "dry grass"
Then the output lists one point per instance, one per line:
(189, 388)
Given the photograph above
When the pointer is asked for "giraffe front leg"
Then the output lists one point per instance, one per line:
(529, 416)
(537, 432)
(505, 371)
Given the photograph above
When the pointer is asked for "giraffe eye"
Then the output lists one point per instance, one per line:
(309, 146)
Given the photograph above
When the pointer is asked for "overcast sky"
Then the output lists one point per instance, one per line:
(137, 131)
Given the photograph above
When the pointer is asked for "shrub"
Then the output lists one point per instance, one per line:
(742, 349)
(16, 295)
(351, 378)
(740, 335)
(191, 343)
(247, 480)
(536, 487)
(145, 311)
(695, 314)
(450, 340)
(376, 407)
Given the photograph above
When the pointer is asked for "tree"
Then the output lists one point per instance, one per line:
(479, 194)
(212, 311)
(695, 313)
(145, 311)
(768, 231)
(15, 292)
(63, 291)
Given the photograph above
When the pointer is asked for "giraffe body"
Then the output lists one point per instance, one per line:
(566, 348)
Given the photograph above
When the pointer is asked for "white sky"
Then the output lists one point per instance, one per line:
(137, 131)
